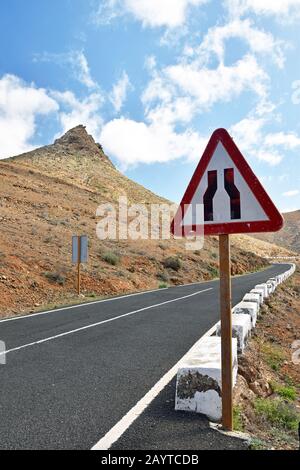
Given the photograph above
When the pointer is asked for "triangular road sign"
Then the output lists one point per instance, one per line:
(233, 199)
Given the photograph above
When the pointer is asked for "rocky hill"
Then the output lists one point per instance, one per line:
(52, 193)
(289, 236)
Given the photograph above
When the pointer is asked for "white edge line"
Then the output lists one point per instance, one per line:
(24, 317)
(109, 320)
(118, 430)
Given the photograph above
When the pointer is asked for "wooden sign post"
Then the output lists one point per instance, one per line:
(226, 332)
(79, 256)
(79, 266)
(234, 201)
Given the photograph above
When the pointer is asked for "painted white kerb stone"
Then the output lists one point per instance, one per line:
(265, 289)
(252, 298)
(199, 379)
(247, 308)
(260, 293)
(241, 330)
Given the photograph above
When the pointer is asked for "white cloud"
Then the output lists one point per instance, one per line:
(259, 41)
(273, 158)
(86, 111)
(223, 83)
(20, 105)
(119, 92)
(282, 9)
(152, 13)
(78, 62)
(286, 140)
(132, 142)
(291, 193)
(185, 89)
(249, 134)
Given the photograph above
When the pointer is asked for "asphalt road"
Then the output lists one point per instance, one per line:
(72, 374)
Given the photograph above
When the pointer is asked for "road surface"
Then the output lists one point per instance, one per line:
(72, 374)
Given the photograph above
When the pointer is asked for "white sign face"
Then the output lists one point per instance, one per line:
(80, 254)
(249, 209)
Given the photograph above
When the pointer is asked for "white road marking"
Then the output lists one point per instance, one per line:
(118, 430)
(61, 335)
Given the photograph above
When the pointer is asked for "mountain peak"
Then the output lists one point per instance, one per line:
(78, 139)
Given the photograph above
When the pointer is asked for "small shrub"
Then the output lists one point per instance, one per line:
(164, 277)
(172, 263)
(111, 258)
(163, 286)
(277, 412)
(56, 277)
(288, 393)
(214, 272)
(273, 355)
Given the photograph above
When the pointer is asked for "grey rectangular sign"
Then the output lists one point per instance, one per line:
(83, 240)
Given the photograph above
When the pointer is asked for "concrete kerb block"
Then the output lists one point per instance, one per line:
(199, 379)
(264, 288)
(252, 298)
(260, 293)
(247, 308)
(241, 330)
(270, 288)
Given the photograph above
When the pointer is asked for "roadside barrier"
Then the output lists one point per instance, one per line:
(199, 378)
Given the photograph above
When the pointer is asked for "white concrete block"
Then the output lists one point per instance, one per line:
(271, 286)
(199, 379)
(247, 308)
(275, 280)
(241, 330)
(260, 293)
(252, 298)
(265, 289)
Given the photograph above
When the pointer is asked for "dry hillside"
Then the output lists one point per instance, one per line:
(53, 192)
(289, 236)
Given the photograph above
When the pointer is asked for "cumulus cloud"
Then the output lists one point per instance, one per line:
(152, 13)
(119, 92)
(282, 9)
(287, 140)
(255, 142)
(179, 92)
(132, 142)
(259, 41)
(20, 105)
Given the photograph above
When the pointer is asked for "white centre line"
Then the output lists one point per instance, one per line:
(61, 335)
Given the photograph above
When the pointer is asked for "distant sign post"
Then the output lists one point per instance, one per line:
(234, 202)
(79, 255)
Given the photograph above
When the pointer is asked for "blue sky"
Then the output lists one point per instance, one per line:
(151, 80)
